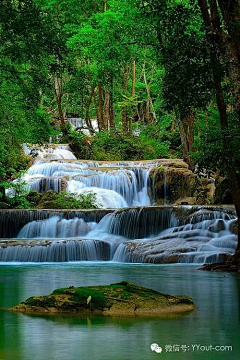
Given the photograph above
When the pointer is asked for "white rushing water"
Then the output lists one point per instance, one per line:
(116, 184)
(130, 235)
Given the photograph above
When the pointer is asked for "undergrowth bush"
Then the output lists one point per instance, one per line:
(76, 201)
(112, 146)
(50, 200)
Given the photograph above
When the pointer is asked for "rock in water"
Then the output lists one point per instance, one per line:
(122, 298)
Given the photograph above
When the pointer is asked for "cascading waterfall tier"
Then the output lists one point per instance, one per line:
(116, 184)
(142, 234)
(12, 221)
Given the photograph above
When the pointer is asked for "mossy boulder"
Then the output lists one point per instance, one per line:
(122, 298)
(47, 201)
(171, 181)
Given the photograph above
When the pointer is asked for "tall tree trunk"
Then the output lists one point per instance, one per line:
(186, 125)
(59, 95)
(132, 93)
(106, 114)
(149, 103)
(111, 113)
(95, 105)
(87, 117)
(231, 14)
(105, 6)
(100, 102)
(217, 44)
(133, 77)
(124, 110)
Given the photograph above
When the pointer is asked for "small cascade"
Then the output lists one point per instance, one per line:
(81, 124)
(12, 221)
(131, 185)
(117, 184)
(205, 238)
(45, 184)
(55, 227)
(135, 223)
(58, 251)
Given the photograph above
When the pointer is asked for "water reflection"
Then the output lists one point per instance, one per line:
(215, 320)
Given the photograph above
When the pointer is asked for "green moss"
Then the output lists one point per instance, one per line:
(41, 301)
(161, 169)
(80, 295)
(120, 297)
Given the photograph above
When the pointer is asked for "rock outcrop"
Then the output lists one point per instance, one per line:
(122, 298)
(171, 181)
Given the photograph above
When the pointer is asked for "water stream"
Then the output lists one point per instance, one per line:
(130, 229)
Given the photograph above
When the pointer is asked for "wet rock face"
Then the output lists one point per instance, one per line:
(230, 264)
(171, 182)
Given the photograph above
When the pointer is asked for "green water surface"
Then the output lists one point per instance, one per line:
(215, 322)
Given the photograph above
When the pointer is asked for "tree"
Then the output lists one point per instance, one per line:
(222, 31)
(25, 44)
(187, 84)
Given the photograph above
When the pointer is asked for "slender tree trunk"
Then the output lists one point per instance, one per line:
(149, 104)
(124, 110)
(132, 93)
(133, 77)
(87, 117)
(217, 45)
(100, 102)
(59, 95)
(105, 6)
(186, 125)
(231, 14)
(111, 112)
(107, 109)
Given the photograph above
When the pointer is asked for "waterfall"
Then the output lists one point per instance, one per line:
(59, 251)
(140, 234)
(81, 123)
(205, 238)
(117, 184)
(125, 228)
(12, 221)
(55, 227)
(130, 185)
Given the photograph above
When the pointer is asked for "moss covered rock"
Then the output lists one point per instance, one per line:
(122, 298)
(171, 181)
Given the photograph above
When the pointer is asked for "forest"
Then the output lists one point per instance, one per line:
(149, 79)
(119, 179)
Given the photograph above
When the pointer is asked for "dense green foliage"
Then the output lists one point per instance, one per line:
(115, 146)
(154, 74)
(49, 200)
